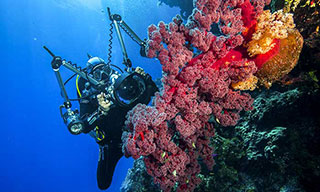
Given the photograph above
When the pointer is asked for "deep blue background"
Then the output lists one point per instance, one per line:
(37, 153)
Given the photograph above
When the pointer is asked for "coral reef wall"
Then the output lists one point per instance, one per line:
(205, 63)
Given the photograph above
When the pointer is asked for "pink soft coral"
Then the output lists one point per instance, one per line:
(174, 132)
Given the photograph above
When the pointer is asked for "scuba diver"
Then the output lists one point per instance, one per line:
(105, 94)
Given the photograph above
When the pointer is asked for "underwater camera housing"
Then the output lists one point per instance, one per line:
(128, 89)
(125, 90)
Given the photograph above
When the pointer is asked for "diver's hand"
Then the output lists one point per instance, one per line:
(104, 104)
(140, 71)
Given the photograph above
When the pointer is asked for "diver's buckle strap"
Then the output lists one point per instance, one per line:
(98, 134)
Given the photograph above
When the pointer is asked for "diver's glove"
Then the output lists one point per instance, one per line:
(104, 104)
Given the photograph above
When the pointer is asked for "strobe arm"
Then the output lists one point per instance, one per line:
(134, 36)
(57, 62)
(118, 22)
(70, 117)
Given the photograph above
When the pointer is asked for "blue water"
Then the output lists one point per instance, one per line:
(37, 153)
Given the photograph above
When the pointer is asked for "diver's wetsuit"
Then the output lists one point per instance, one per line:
(110, 147)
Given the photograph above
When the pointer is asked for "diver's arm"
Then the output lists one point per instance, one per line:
(92, 108)
(91, 115)
(91, 120)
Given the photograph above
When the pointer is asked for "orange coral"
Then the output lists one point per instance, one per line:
(283, 62)
(269, 27)
(248, 84)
